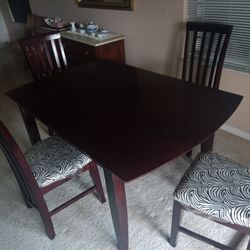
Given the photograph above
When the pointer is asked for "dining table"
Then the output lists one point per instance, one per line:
(128, 120)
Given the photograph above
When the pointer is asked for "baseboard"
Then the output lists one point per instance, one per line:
(236, 131)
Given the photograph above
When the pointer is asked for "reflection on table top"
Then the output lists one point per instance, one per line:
(128, 120)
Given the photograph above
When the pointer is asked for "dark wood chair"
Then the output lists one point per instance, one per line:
(216, 188)
(34, 24)
(204, 53)
(48, 164)
(45, 55)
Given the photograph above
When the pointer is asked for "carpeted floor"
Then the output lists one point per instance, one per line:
(87, 224)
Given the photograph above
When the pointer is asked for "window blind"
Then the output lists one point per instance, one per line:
(234, 12)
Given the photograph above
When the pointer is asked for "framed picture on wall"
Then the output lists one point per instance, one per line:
(108, 4)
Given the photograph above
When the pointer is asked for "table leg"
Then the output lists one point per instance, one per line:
(208, 144)
(118, 207)
(31, 126)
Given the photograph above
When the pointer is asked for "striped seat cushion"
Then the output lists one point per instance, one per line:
(218, 187)
(54, 159)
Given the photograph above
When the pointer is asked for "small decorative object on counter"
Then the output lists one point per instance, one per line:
(81, 28)
(103, 31)
(73, 26)
(56, 23)
(91, 28)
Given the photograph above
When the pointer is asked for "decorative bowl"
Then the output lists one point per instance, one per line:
(56, 22)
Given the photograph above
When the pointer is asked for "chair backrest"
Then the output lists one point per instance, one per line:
(44, 53)
(204, 53)
(34, 21)
(18, 164)
(34, 24)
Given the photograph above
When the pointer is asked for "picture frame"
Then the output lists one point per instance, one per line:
(108, 4)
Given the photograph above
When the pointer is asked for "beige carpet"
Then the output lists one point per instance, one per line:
(87, 224)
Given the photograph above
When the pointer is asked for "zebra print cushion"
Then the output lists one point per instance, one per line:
(218, 187)
(53, 159)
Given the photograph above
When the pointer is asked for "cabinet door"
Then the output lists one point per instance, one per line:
(113, 51)
(78, 53)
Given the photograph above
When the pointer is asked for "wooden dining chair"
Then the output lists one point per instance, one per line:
(33, 24)
(218, 189)
(45, 55)
(48, 164)
(204, 53)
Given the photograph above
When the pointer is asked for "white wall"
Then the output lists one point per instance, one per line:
(15, 30)
(151, 30)
(239, 83)
(4, 35)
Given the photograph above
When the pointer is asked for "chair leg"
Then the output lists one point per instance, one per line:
(176, 217)
(248, 245)
(46, 218)
(26, 199)
(27, 202)
(94, 173)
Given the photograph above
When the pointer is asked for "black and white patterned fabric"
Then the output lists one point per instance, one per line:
(54, 159)
(218, 187)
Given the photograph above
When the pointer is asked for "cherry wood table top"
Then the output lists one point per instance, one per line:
(129, 120)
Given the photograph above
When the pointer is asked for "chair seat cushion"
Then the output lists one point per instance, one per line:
(218, 187)
(54, 159)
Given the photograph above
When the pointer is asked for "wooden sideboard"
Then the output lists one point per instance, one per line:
(82, 49)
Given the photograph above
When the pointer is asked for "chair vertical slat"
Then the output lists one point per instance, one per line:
(42, 56)
(55, 54)
(18, 163)
(39, 55)
(35, 63)
(221, 61)
(213, 78)
(45, 62)
(48, 56)
(18, 174)
(207, 58)
(201, 56)
(184, 69)
(62, 53)
(218, 45)
(192, 57)
(27, 54)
